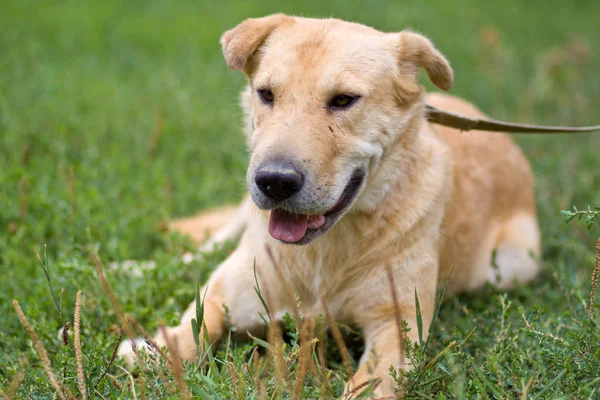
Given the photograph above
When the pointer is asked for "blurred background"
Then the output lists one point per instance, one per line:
(117, 115)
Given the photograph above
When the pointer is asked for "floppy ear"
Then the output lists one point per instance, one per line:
(242, 41)
(416, 51)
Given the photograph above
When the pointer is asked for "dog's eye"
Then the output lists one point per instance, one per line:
(342, 101)
(266, 95)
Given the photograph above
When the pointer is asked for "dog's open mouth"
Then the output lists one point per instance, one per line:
(290, 227)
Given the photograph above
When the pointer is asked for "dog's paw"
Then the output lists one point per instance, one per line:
(128, 350)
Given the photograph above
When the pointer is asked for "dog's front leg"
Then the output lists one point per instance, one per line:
(382, 350)
(383, 335)
(179, 340)
(232, 286)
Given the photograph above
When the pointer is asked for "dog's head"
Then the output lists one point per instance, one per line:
(324, 101)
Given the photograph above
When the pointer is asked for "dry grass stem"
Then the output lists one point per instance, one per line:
(525, 394)
(372, 384)
(397, 314)
(594, 279)
(234, 376)
(261, 393)
(111, 296)
(42, 353)
(238, 383)
(304, 356)
(25, 152)
(326, 392)
(112, 356)
(322, 345)
(276, 351)
(115, 383)
(439, 355)
(77, 344)
(339, 340)
(175, 365)
(242, 385)
(140, 383)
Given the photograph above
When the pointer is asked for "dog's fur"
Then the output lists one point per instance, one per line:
(433, 198)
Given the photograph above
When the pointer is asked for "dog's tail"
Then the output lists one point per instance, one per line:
(214, 227)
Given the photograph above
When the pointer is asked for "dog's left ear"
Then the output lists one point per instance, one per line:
(240, 43)
(416, 51)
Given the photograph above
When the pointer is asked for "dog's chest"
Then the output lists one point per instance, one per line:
(325, 279)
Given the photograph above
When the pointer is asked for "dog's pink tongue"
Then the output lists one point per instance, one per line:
(286, 226)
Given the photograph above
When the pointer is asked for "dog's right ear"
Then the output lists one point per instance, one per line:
(240, 43)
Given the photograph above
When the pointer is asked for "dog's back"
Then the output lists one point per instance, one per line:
(491, 208)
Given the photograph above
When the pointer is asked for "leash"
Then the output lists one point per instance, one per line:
(465, 123)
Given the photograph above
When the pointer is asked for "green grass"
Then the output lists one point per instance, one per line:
(115, 116)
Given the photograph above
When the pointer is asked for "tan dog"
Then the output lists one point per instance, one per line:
(347, 179)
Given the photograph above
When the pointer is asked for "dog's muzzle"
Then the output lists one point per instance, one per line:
(294, 226)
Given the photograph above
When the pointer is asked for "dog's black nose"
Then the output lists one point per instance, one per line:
(278, 181)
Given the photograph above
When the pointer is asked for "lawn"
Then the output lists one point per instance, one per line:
(118, 116)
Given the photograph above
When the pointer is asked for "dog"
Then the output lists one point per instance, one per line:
(349, 186)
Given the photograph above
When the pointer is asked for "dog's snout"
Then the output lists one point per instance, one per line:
(279, 181)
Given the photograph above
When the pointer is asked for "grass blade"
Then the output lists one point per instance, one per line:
(549, 385)
(260, 296)
(419, 318)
